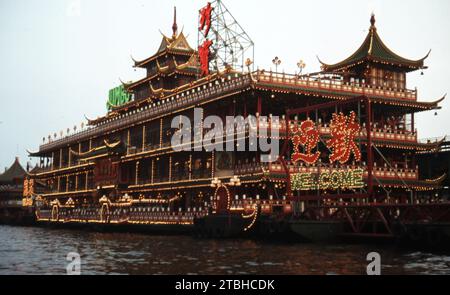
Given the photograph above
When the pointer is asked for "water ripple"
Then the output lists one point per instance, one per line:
(44, 251)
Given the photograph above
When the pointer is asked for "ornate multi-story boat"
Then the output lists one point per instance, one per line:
(347, 163)
(13, 209)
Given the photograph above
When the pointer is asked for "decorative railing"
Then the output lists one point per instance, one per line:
(70, 191)
(378, 133)
(169, 104)
(378, 172)
(150, 215)
(221, 87)
(432, 140)
(123, 215)
(248, 205)
(384, 134)
(250, 168)
(335, 85)
(56, 168)
(81, 215)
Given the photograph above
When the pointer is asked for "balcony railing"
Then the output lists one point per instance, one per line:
(56, 168)
(250, 168)
(123, 215)
(383, 133)
(378, 172)
(183, 99)
(221, 87)
(336, 85)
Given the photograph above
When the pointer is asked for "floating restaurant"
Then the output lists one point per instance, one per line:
(347, 137)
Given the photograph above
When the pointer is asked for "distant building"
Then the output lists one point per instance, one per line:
(11, 193)
(437, 162)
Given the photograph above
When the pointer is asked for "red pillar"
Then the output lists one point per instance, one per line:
(369, 148)
(259, 106)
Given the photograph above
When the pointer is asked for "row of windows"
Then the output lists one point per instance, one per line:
(384, 78)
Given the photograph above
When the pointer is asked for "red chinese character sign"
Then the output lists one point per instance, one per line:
(203, 53)
(308, 137)
(231, 44)
(344, 130)
(205, 19)
(204, 48)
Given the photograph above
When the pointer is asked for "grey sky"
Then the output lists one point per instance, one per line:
(58, 62)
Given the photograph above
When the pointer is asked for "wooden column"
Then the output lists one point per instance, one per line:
(212, 164)
(143, 138)
(161, 133)
(87, 179)
(170, 168)
(259, 106)
(245, 108)
(79, 150)
(60, 158)
(153, 170)
(369, 119)
(76, 182)
(70, 157)
(53, 160)
(137, 173)
(59, 184)
(67, 184)
(190, 167)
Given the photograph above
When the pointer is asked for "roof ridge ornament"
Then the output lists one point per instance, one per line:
(372, 30)
(175, 26)
(372, 20)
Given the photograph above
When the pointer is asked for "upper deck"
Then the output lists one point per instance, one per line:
(225, 85)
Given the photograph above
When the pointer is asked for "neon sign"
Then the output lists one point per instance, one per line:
(203, 52)
(204, 48)
(307, 136)
(328, 180)
(205, 19)
(343, 129)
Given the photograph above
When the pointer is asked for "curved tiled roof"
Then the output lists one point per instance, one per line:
(176, 45)
(373, 49)
(16, 171)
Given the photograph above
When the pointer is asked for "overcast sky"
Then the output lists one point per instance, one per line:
(59, 58)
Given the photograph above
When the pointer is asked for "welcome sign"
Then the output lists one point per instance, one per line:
(328, 180)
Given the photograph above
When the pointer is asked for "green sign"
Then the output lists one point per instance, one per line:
(117, 97)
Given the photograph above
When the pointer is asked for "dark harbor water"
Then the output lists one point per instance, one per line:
(44, 251)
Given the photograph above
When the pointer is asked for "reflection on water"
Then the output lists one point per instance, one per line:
(43, 251)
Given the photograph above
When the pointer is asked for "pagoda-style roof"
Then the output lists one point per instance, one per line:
(374, 50)
(178, 44)
(190, 68)
(14, 172)
(192, 65)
